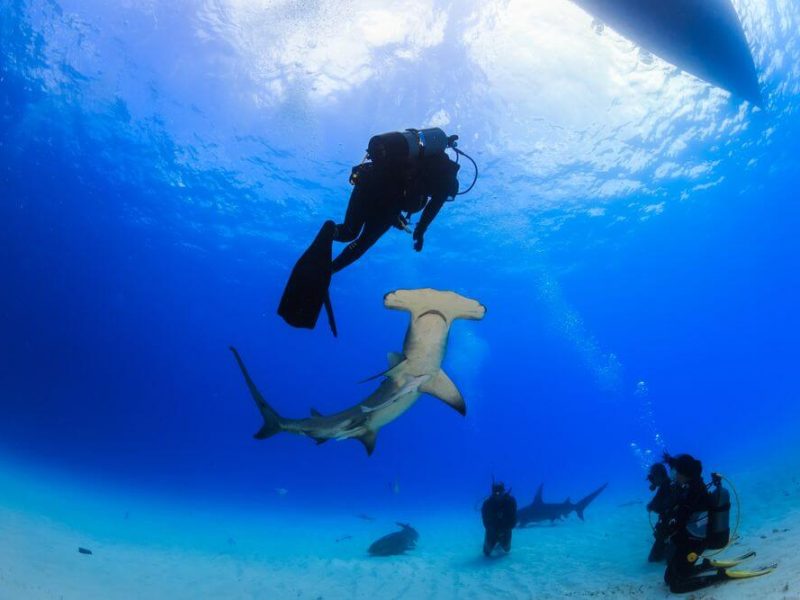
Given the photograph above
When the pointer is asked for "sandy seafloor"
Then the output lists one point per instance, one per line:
(154, 551)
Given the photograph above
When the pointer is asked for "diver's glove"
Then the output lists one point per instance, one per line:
(418, 238)
(401, 223)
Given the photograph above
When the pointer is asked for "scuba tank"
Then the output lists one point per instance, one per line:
(718, 530)
(398, 146)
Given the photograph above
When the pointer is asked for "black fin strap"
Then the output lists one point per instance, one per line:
(329, 311)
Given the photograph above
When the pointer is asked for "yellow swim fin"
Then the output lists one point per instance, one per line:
(766, 570)
(728, 563)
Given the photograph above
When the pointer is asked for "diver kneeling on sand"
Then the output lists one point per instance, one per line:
(499, 514)
(407, 172)
(662, 502)
(698, 521)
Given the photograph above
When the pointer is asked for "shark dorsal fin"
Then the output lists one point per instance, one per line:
(315, 412)
(442, 387)
(538, 498)
(394, 368)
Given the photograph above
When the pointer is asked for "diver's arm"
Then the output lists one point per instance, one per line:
(512, 518)
(431, 210)
(428, 215)
(485, 513)
(661, 502)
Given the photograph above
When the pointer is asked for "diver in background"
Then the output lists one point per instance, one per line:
(499, 514)
(660, 504)
(685, 524)
(392, 184)
(689, 527)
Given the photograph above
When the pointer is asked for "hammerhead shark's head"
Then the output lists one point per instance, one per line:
(414, 372)
(540, 510)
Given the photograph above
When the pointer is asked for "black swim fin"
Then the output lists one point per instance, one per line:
(306, 291)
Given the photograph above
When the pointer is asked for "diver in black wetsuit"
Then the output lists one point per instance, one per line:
(499, 514)
(408, 172)
(390, 185)
(663, 500)
(686, 523)
(698, 520)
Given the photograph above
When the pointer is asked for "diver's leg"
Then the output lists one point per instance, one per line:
(354, 250)
(505, 540)
(489, 541)
(682, 585)
(683, 565)
(659, 551)
(354, 218)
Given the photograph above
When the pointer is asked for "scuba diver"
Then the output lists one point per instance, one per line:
(499, 514)
(698, 521)
(393, 183)
(407, 172)
(660, 504)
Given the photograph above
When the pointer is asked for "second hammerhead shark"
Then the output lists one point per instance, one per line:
(539, 510)
(414, 372)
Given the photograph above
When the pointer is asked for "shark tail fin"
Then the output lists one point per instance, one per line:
(272, 421)
(582, 504)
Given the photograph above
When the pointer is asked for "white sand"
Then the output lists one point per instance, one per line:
(295, 556)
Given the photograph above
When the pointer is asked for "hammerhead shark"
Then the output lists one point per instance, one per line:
(414, 372)
(540, 510)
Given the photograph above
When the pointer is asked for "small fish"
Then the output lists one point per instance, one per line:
(396, 487)
(630, 503)
(281, 491)
(343, 538)
(84, 550)
(364, 517)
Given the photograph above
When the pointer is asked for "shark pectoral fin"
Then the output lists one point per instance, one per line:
(368, 439)
(368, 409)
(315, 412)
(394, 358)
(393, 369)
(320, 440)
(443, 388)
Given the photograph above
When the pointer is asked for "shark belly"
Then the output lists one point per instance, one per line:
(388, 414)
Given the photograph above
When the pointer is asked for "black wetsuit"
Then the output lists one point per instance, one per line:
(383, 192)
(499, 514)
(661, 503)
(685, 521)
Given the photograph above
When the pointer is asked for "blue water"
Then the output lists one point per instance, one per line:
(633, 235)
